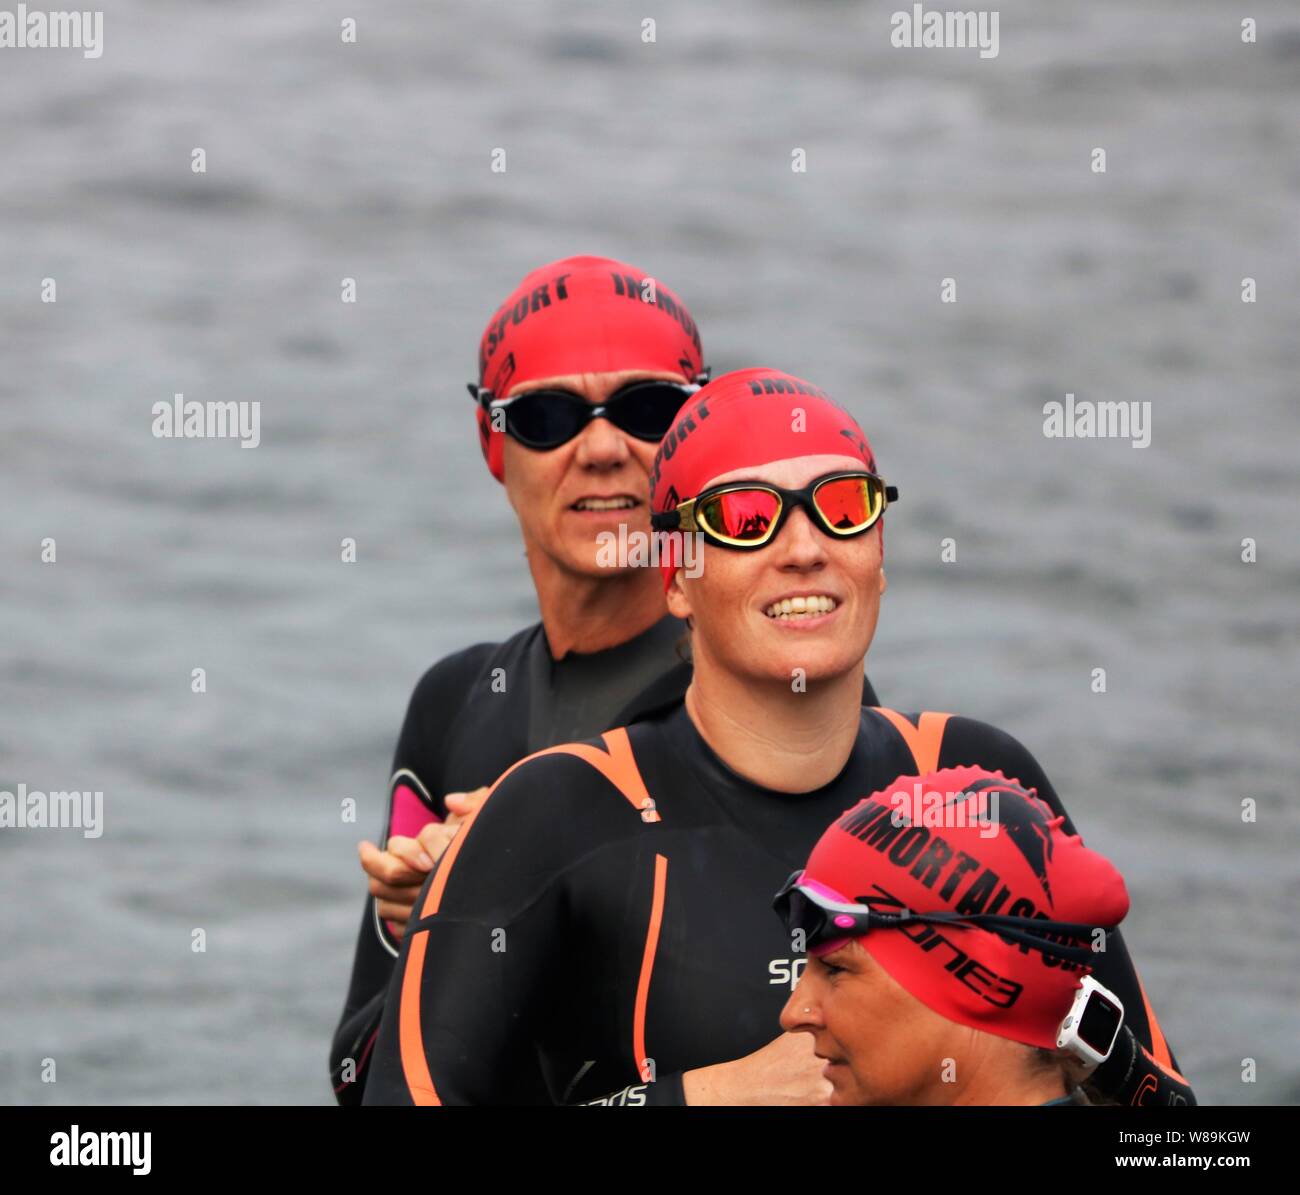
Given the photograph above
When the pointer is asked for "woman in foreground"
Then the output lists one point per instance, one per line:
(900, 994)
(607, 908)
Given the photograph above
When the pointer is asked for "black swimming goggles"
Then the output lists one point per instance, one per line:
(748, 514)
(545, 419)
(823, 916)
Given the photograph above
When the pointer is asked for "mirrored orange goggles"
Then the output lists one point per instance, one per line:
(748, 514)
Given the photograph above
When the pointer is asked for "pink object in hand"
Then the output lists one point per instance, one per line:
(409, 814)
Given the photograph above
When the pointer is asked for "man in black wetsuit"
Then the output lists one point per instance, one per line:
(575, 335)
(607, 909)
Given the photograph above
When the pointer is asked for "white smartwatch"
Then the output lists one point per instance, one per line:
(1092, 1024)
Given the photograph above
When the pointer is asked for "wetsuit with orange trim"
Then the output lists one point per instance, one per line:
(471, 716)
(608, 912)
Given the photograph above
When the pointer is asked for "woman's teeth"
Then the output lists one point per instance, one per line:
(604, 504)
(801, 607)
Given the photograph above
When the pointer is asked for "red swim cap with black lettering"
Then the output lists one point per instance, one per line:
(970, 841)
(744, 419)
(582, 315)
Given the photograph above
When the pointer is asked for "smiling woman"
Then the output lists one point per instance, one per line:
(607, 909)
(775, 470)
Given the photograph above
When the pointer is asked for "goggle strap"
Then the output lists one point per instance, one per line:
(1026, 931)
(479, 394)
(1033, 931)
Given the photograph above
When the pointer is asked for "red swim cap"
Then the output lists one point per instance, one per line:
(582, 315)
(1010, 856)
(750, 417)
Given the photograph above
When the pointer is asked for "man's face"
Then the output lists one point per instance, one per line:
(736, 601)
(881, 1044)
(564, 497)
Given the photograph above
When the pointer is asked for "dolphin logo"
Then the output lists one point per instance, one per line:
(1025, 823)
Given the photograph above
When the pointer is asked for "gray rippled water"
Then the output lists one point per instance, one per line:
(371, 161)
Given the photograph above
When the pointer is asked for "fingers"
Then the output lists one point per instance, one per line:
(395, 884)
(396, 915)
(388, 867)
(463, 804)
(436, 838)
(403, 897)
(412, 853)
(405, 862)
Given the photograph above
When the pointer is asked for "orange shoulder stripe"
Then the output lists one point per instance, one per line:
(923, 740)
(648, 966)
(1159, 1052)
(415, 1066)
(618, 766)
(433, 901)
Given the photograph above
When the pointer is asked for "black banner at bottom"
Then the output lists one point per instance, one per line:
(375, 1149)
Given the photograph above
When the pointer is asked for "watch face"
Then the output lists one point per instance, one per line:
(1099, 1023)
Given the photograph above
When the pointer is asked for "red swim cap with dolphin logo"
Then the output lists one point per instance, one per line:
(970, 841)
(582, 315)
(749, 417)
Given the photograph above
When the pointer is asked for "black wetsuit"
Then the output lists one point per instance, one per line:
(471, 716)
(615, 939)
